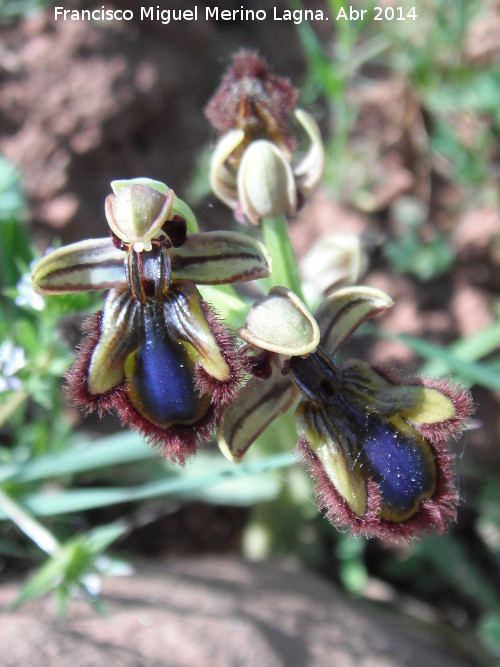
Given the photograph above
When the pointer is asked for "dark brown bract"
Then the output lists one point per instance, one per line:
(253, 99)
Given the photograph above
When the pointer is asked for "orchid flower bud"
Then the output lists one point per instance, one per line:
(335, 260)
(253, 169)
(266, 186)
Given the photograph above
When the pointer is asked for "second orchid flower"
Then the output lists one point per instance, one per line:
(377, 447)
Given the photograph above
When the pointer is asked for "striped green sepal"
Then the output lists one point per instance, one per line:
(345, 310)
(258, 404)
(94, 264)
(215, 258)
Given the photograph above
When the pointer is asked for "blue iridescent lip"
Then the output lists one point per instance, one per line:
(401, 464)
(160, 374)
(165, 364)
(397, 460)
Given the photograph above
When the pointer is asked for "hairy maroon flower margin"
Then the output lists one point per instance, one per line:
(178, 442)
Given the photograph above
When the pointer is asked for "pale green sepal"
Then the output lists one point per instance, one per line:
(345, 310)
(309, 171)
(184, 314)
(281, 323)
(215, 258)
(266, 186)
(222, 178)
(136, 214)
(179, 208)
(118, 338)
(94, 264)
(124, 183)
(420, 405)
(335, 456)
(258, 404)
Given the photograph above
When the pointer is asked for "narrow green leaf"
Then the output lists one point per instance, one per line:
(449, 557)
(469, 349)
(468, 371)
(121, 448)
(489, 632)
(14, 401)
(227, 303)
(182, 485)
(53, 571)
(100, 538)
(69, 565)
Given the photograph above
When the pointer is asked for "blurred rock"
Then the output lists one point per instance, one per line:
(217, 611)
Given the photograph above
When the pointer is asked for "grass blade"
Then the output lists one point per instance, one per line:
(183, 484)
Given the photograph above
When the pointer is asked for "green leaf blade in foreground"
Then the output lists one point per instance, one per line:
(109, 451)
(195, 484)
(70, 564)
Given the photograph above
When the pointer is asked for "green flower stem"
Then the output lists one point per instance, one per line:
(227, 302)
(285, 268)
(29, 525)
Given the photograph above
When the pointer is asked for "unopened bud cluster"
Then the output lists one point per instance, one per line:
(253, 168)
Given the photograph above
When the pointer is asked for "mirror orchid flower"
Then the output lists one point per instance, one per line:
(156, 352)
(376, 447)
